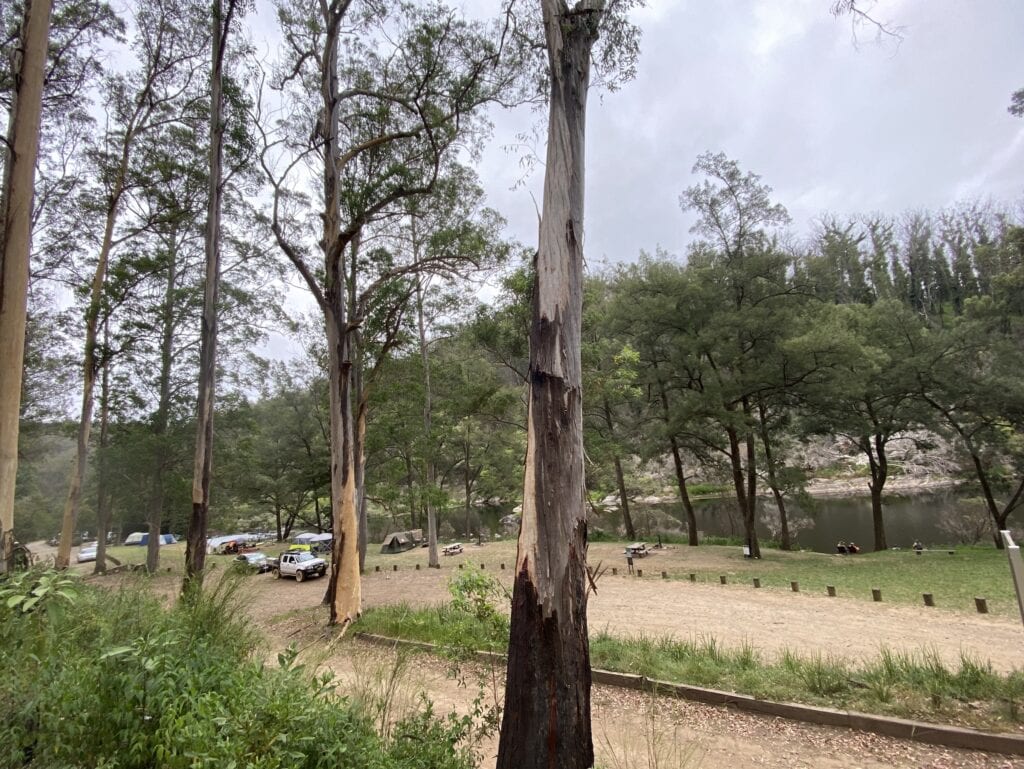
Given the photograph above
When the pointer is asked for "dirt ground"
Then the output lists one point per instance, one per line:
(636, 730)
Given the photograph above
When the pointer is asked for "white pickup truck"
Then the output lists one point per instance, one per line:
(299, 564)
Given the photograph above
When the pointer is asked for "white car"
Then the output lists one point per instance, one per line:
(87, 553)
(299, 564)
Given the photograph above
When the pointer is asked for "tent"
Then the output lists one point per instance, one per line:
(397, 542)
(308, 538)
(142, 538)
(214, 544)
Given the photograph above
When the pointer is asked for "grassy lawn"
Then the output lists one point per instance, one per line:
(901, 575)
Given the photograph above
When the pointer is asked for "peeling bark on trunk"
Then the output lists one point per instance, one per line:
(195, 537)
(546, 719)
(345, 589)
(16, 198)
(361, 479)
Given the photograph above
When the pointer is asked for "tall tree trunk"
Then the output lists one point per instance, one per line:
(546, 719)
(879, 464)
(785, 541)
(90, 364)
(467, 487)
(345, 589)
(16, 198)
(360, 451)
(743, 504)
(620, 481)
(620, 478)
(684, 495)
(432, 560)
(103, 481)
(677, 460)
(163, 412)
(195, 537)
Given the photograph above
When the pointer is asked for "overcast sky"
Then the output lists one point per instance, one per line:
(832, 122)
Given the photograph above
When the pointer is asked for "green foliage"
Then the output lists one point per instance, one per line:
(130, 684)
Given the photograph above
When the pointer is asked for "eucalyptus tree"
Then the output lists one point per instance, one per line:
(20, 150)
(395, 96)
(146, 99)
(222, 15)
(546, 719)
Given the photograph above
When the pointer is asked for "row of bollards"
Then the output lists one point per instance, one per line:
(980, 604)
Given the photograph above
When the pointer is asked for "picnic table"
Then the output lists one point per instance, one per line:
(636, 550)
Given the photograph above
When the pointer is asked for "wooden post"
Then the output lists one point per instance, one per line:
(830, 590)
(876, 594)
(639, 572)
(693, 577)
(377, 567)
(483, 567)
(722, 579)
(757, 582)
(503, 566)
(981, 605)
(417, 567)
(794, 586)
(395, 567)
(615, 571)
(929, 599)
(664, 575)
(461, 565)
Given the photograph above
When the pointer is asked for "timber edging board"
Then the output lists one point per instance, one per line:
(901, 728)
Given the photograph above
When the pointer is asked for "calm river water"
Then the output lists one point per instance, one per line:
(831, 519)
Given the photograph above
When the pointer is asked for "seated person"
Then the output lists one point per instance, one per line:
(917, 545)
(852, 548)
(841, 548)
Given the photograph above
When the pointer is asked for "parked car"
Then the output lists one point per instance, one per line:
(87, 553)
(299, 564)
(253, 562)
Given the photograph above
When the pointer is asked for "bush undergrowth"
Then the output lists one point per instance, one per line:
(112, 679)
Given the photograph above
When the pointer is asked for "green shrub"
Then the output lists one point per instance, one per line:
(112, 679)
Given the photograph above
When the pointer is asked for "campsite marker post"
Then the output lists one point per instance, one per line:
(1016, 568)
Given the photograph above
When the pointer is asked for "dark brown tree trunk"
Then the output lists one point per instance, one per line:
(785, 541)
(879, 464)
(195, 537)
(20, 151)
(744, 504)
(546, 718)
(677, 460)
(620, 480)
(684, 495)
